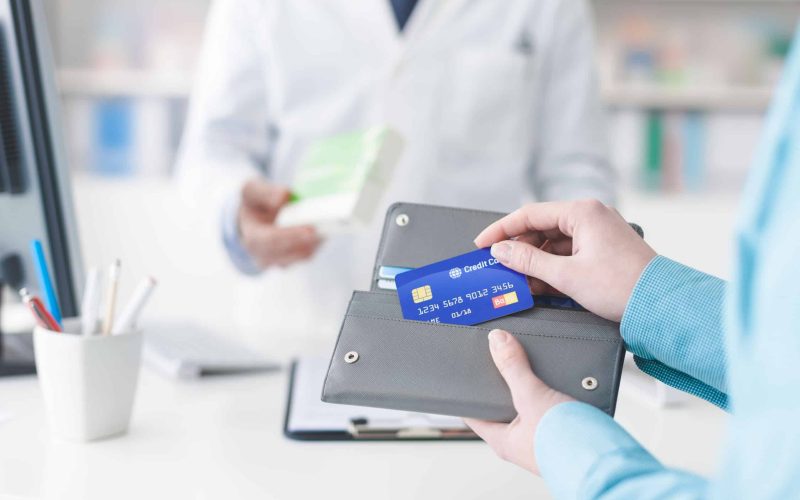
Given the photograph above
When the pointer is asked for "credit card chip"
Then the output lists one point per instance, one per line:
(421, 294)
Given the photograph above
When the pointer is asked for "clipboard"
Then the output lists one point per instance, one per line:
(308, 418)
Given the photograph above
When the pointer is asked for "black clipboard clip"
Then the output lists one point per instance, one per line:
(360, 428)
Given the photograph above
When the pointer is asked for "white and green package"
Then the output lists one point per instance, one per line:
(341, 179)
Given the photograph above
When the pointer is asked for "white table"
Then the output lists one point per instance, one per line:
(222, 438)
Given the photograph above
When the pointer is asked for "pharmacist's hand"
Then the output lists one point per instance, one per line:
(272, 245)
(593, 255)
(532, 398)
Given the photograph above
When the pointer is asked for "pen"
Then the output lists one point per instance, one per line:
(44, 279)
(129, 315)
(43, 318)
(91, 302)
(111, 299)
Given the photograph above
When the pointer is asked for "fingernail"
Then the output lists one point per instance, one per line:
(497, 338)
(545, 246)
(501, 252)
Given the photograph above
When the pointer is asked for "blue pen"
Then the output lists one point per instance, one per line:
(44, 280)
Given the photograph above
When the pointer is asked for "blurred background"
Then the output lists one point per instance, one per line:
(686, 84)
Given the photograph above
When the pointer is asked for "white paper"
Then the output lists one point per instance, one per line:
(310, 413)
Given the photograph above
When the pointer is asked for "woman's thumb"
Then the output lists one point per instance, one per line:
(513, 364)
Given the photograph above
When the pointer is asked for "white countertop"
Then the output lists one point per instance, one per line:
(222, 437)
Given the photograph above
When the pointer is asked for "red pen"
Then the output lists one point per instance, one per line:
(39, 311)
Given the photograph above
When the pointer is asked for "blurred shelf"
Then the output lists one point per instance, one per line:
(755, 99)
(137, 83)
(122, 83)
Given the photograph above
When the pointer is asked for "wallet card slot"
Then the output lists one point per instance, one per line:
(417, 366)
(386, 306)
(523, 328)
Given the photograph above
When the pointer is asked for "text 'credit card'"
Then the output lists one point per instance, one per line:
(463, 290)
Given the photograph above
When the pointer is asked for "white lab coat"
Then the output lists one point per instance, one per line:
(497, 101)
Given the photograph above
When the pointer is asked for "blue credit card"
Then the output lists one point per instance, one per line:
(464, 290)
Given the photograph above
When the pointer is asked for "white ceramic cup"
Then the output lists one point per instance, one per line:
(88, 382)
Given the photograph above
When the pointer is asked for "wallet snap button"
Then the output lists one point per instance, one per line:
(351, 357)
(589, 383)
(402, 220)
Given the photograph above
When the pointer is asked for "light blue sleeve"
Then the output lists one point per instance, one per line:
(584, 453)
(674, 326)
(239, 256)
(673, 323)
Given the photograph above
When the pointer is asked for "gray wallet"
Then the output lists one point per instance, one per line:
(385, 361)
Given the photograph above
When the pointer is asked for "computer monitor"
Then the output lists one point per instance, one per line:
(35, 193)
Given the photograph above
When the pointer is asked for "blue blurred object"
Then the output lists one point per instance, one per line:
(113, 138)
(43, 273)
(694, 151)
(402, 11)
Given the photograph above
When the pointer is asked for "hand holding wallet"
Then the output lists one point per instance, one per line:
(382, 360)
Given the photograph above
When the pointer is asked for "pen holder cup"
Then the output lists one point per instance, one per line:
(88, 382)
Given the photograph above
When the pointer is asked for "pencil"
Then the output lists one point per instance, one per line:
(91, 302)
(111, 299)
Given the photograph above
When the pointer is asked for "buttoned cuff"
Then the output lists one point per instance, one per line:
(672, 325)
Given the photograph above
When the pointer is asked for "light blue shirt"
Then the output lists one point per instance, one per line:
(232, 240)
(736, 345)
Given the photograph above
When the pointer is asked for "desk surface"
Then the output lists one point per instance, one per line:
(221, 438)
